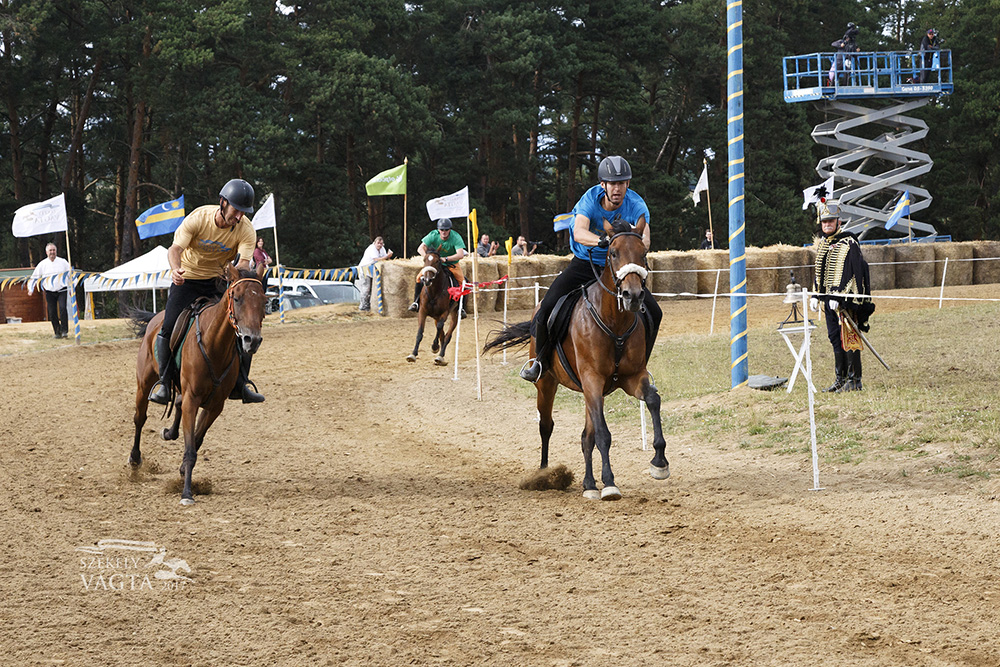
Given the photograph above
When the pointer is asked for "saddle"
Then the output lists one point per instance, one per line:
(561, 316)
(185, 319)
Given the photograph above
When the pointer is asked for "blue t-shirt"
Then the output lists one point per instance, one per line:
(631, 209)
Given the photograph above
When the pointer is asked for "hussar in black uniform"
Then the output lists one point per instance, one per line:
(841, 285)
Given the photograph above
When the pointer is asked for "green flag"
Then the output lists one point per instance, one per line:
(389, 182)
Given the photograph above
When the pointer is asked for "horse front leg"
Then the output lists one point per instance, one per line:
(452, 320)
(421, 318)
(659, 467)
(188, 420)
(601, 435)
(590, 491)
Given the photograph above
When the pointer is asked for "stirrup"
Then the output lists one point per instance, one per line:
(531, 370)
(414, 307)
(159, 393)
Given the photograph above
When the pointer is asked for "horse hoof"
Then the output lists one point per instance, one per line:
(592, 494)
(135, 464)
(187, 501)
(440, 361)
(411, 357)
(165, 434)
(611, 493)
(659, 473)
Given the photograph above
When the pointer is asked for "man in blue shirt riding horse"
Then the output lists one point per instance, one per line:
(609, 199)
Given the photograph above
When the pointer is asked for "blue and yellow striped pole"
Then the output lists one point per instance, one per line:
(737, 222)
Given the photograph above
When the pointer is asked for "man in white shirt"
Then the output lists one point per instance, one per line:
(55, 291)
(375, 252)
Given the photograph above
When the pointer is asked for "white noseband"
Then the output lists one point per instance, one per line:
(631, 268)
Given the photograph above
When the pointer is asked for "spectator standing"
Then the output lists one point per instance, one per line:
(928, 45)
(708, 243)
(55, 294)
(375, 252)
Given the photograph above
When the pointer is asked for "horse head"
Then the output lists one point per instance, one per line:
(432, 266)
(626, 263)
(246, 305)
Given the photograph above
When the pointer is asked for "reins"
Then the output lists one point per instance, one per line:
(217, 379)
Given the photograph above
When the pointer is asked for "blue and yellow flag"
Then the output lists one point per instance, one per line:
(162, 219)
(563, 221)
(901, 211)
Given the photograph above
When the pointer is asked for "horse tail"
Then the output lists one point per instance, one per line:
(510, 336)
(138, 320)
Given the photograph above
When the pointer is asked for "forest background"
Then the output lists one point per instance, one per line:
(124, 104)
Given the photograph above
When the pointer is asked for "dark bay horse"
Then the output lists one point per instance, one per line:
(436, 303)
(605, 349)
(209, 365)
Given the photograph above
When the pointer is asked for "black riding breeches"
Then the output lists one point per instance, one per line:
(181, 296)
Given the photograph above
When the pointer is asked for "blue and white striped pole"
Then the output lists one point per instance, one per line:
(737, 222)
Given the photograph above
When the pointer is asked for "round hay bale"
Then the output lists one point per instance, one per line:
(986, 267)
(524, 273)
(914, 265)
(489, 270)
(881, 270)
(679, 272)
(761, 263)
(959, 256)
(793, 261)
(398, 278)
(708, 263)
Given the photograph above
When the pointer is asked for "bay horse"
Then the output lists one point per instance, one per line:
(603, 350)
(209, 365)
(436, 303)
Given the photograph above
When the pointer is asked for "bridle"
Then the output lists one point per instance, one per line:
(620, 274)
(431, 268)
(229, 293)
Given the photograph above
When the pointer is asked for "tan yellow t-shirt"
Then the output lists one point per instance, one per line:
(207, 247)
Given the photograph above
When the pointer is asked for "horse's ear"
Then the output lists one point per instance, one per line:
(261, 270)
(231, 273)
(641, 225)
(608, 229)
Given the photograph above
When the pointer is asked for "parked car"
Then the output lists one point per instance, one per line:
(324, 292)
(293, 301)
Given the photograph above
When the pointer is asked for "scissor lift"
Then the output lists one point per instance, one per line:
(896, 83)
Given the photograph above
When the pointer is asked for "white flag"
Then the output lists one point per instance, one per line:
(42, 218)
(265, 215)
(455, 205)
(701, 187)
(814, 194)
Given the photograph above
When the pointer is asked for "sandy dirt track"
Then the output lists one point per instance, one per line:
(369, 514)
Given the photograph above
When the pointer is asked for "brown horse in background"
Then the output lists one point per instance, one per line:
(436, 303)
(605, 349)
(209, 365)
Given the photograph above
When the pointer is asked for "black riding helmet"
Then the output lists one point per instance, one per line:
(239, 194)
(613, 169)
(443, 224)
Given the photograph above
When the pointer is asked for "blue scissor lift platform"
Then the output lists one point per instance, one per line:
(896, 83)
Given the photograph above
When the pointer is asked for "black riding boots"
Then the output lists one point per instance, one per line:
(160, 393)
(853, 371)
(415, 306)
(245, 389)
(533, 369)
(840, 366)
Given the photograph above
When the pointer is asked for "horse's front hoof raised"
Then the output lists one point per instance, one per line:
(611, 493)
(411, 357)
(440, 361)
(659, 473)
(592, 494)
(187, 501)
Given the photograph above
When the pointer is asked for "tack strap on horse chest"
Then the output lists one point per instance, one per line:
(217, 379)
(619, 341)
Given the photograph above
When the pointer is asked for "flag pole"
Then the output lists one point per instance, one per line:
(475, 303)
(71, 297)
(406, 254)
(708, 199)
(277, 262)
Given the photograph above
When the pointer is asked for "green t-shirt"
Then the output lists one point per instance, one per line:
(447, 248)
